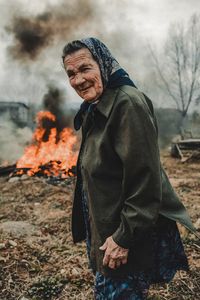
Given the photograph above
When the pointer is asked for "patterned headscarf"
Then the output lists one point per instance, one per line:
(110, 69)
(113, 75)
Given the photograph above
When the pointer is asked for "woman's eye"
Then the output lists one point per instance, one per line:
(86, 69)
(70, 75)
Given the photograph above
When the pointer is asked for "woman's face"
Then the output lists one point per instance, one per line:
(84, 74)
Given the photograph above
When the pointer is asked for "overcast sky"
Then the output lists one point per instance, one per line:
(124, 25)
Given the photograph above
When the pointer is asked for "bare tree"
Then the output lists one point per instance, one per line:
(180, 72)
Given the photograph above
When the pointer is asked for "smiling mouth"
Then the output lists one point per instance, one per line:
(85, 89)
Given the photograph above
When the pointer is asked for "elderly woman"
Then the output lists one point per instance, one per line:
(124, 205)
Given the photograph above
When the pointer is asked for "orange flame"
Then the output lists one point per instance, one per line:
(58, 156)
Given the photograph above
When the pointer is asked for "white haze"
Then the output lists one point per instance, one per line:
(12, 141)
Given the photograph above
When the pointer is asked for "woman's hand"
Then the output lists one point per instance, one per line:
(114, 256)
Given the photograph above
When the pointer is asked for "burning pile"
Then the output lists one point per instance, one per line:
(52, 152)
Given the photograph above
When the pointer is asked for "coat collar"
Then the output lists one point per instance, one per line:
(106, 102)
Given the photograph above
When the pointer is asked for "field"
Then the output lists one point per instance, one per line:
(38, 259)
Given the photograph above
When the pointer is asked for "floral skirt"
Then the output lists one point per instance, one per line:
(169, 256)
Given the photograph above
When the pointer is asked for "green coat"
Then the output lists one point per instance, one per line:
(125, 184)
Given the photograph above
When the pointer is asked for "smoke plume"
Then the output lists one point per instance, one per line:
(53, 101)
(32, 34)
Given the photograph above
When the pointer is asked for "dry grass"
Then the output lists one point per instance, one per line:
(47, 265)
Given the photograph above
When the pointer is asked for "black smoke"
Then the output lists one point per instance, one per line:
(32, 34)
(53, 101)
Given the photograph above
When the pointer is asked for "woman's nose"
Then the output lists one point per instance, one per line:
(79, 79)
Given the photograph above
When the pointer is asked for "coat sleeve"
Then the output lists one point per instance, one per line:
(136, 145)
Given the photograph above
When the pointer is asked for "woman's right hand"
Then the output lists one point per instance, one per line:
(114, 256)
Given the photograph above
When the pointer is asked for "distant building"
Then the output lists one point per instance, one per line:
(17, 112)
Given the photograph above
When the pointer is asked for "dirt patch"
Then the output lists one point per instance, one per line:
(45, 264)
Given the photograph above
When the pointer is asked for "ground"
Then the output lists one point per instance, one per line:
(38, 259)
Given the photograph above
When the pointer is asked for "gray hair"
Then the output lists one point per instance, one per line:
(72, 47)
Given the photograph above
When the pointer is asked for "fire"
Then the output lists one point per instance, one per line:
(51, 153)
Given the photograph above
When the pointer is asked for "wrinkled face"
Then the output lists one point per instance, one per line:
(84, 74)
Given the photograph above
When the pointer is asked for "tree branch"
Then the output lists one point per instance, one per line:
(162, 76)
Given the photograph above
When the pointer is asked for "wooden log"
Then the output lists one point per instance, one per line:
(6, 170)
